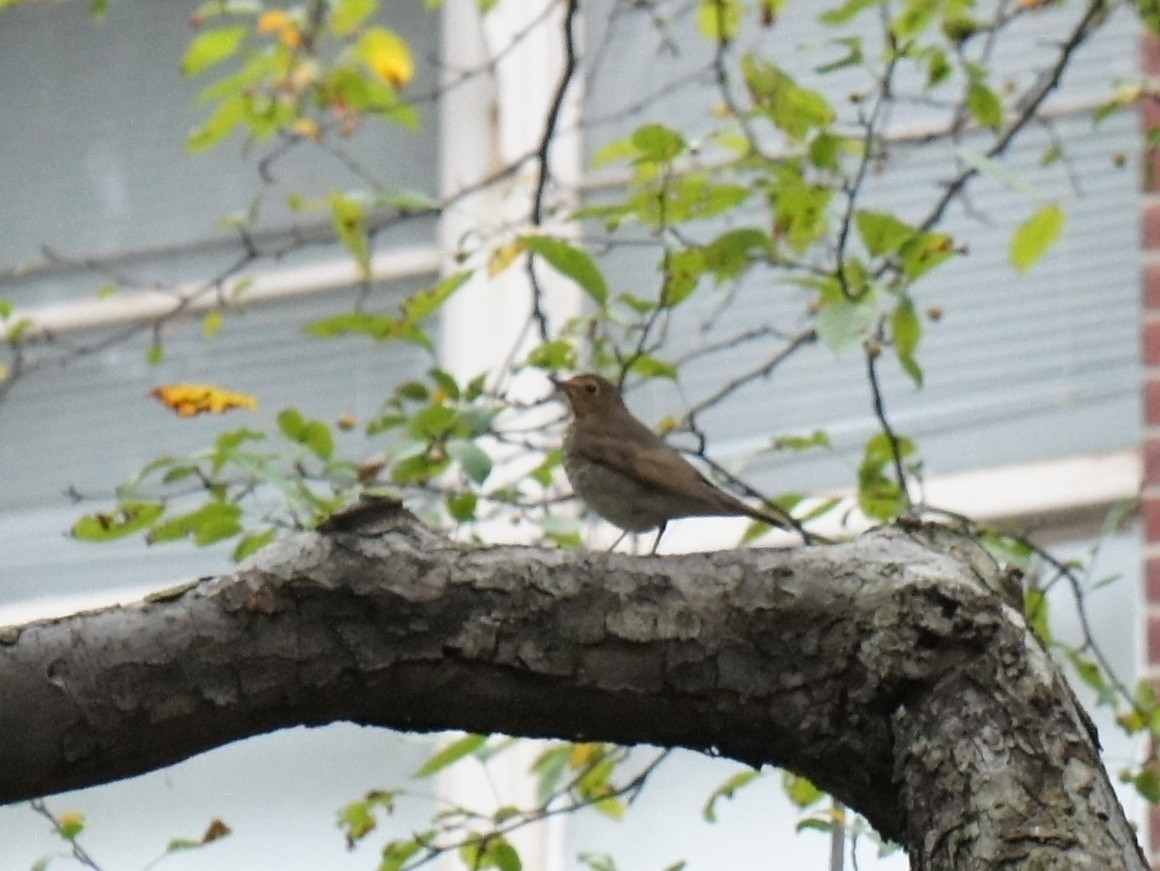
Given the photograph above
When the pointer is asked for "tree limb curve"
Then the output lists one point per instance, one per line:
(890, 670)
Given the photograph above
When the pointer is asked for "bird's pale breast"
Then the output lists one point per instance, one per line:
(617, 498)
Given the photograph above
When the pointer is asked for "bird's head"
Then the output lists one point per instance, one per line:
(590, 395)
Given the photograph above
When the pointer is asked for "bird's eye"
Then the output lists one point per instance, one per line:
(591, 386)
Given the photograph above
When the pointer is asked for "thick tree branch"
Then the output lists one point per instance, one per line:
(889, 670)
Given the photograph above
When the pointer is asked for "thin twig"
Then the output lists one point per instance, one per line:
(873, 352)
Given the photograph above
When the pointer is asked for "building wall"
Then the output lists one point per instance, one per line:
(1081, 307)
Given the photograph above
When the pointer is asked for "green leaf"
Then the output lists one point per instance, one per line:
(461, 506)
(938, 68)
(799, 209)
(211, 47)
(177, 845)
(550, 767)
(397, 853)
(653, 367)
(212, 522)
(1147, 781)
(843, 13)
(905, 328)
(910, 366)
(312, 434)
(844, 323)
(683, 270)
(733, 251)
(800, 791)
(128, 517)
(1149, 12)
(791, 108)
(1036, 609)
(154, 353)
(418, 469)
(571, 262)
(211, 323)
(728, 789)
(471, 457)
(434, 422)
(924, 252)
(614, 151)
(349, 14)
(816, 824)
(357, 818)
(451, 754)
(1034, 236)
(718, 20)
(379, 327)
(447, 384)
(350, 225)
(502, 855)
(984, 106)
(879, 495)
(228, 115)
(253, 542)
(658, 143)
(881, 232)
(819, 438)
(595, 862)
(414, 391)
(553, 355)
(427, 301)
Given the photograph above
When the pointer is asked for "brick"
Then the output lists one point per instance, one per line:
(1149, 113)
(1152, 401)
(1152, 581)
(1150, 225)
(1152, 461)
(1151, 337)
(1150, 55)
(1150, 507)
(1150, 170)
(1154, 639)
(1150, 284)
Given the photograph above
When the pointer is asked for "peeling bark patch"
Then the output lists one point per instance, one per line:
(648, 621)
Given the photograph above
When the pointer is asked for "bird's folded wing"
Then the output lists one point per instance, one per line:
(659, 467)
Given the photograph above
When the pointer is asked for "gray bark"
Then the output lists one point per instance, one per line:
(890, 671)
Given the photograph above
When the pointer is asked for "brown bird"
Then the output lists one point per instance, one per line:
(626, 474)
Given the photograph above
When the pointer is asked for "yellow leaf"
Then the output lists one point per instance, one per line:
(503, 257)
(307, 128)
(192, 399)
(274, 20)
(279, 21)
(387, 56)
(580, 755)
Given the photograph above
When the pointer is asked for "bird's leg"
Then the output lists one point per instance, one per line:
(657, 543)
(619, 539)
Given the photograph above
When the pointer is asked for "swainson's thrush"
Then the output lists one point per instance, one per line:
(625, 473)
